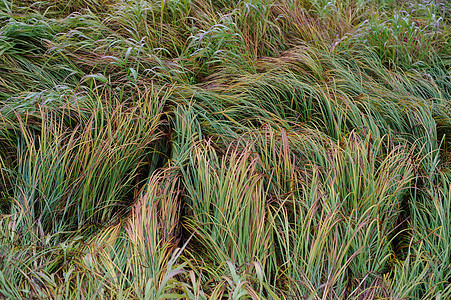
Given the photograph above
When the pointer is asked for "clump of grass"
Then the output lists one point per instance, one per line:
(216, 187)
(63, 151)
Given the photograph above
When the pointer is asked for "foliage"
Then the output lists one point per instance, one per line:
(211, 149)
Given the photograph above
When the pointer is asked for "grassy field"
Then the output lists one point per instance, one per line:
(225, 149)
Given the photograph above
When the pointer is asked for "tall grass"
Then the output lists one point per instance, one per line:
(208, 149)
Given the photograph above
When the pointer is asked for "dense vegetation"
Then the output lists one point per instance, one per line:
(212, 149)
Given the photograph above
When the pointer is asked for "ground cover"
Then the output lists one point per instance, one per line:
(213, 149)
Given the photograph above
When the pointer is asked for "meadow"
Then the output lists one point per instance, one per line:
(225, 149)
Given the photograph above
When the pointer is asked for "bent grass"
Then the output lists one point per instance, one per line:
(224, 149)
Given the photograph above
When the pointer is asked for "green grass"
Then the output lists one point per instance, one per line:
(210, 149)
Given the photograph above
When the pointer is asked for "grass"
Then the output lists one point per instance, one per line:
(200, 149)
